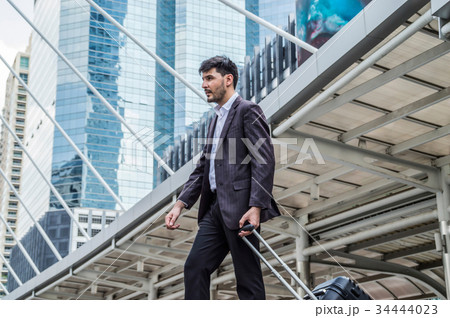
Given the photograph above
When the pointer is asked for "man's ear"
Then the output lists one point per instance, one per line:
(229, 79)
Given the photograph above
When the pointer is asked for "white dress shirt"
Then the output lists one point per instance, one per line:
(222, 113)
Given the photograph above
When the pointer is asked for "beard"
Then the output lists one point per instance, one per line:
(217, 95)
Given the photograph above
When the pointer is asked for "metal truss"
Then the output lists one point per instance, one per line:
(400, 214)
(391, 268)
(363, 159)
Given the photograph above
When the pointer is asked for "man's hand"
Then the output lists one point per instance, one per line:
(252, 216)
(173, 215)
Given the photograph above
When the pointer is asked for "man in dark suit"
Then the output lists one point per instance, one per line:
(235, 178)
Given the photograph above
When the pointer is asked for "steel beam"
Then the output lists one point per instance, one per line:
(142, 250)
(410, 251)
(172, 296)
(54, 295)
(346, 197)
(56, 283)
(375, 82)
(353, 214)
(129, 296)
(392, 237)
(396, 115)
(146, 225)
(288, 232)
(377, 231)
(91, 278)
(362, 159)
(4, 289)
(270, 26)
(130, 278)
(387, 267)
(419, 140)
(442, 161)
(307, 184)
(137, 246)
(340, 228)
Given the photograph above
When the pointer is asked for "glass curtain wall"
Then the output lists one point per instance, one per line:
(123, 74)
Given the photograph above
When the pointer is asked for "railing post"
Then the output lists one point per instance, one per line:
(268, 76)
(245, 79)
(195, 140)
(176, 154)
(189, 146)
(256, 71)
(278, 58)
(292, 48)
(183, 151)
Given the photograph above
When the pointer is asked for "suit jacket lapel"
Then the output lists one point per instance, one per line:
(230, 117)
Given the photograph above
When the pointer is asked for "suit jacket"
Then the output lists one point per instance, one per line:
(241, 183)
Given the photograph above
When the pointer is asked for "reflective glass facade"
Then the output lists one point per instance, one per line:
(123, 74)
(11, 157)
(276, 12)
(251, 27)
(203, 29)
(39, 129)
(165, 86)
(65, 236)
(57, 226)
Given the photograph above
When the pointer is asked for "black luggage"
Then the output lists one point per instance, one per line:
(339, 288)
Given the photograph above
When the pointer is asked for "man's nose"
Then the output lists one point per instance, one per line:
(204, 84)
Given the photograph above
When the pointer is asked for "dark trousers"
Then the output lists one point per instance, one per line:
(212, 243)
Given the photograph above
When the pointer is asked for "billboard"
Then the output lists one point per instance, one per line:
(319, 20)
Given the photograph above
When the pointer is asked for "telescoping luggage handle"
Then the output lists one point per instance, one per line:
(251, 228)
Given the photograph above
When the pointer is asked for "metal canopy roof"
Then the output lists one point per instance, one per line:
(370, 208)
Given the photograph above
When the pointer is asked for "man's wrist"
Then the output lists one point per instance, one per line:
(257, 208)
(180, 204)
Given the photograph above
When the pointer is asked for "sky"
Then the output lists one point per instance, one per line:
(14, 36)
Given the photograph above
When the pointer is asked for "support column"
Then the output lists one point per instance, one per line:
(152, 290)
(303, 265)
(443, 207)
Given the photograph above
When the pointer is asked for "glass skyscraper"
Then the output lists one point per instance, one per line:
(39, 129)
(275, 12)
(203, 29)
(117, 68)
(11, 157)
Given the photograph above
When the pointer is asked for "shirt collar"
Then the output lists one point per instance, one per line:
(226, 107)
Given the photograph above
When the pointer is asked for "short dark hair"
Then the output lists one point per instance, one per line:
(223, 65)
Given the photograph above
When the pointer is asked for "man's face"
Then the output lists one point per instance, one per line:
(215, 85)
